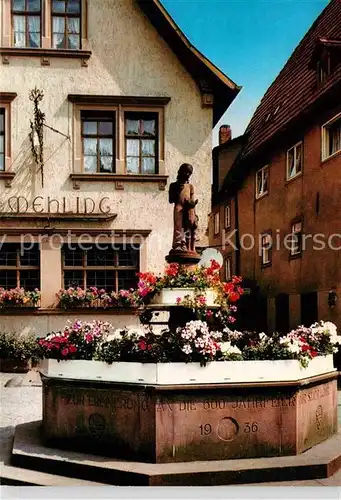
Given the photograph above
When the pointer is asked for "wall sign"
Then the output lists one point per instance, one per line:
(50, 205)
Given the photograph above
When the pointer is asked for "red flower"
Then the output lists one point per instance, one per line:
(172, 270)
(72, 349)
(228, 287)
(142, 345)
(236, 280)
(149, 347)
(65, 352)
(233, 296)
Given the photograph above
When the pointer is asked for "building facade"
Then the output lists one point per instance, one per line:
(100, 104)
(284, 189)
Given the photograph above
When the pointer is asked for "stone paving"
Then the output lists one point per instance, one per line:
(20, 404)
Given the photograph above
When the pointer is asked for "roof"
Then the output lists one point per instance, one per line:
(295, 88)
(210, 78)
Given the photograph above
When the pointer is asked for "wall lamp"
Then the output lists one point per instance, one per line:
(332, 298)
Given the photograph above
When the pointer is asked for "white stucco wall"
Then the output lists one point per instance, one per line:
(128, 58)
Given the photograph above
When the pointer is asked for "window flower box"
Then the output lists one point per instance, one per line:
(215, 372)
(19, 298)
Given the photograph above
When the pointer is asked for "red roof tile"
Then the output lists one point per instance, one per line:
(295, 88)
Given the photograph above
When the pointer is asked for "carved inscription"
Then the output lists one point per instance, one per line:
(315, 393)
(103, 400)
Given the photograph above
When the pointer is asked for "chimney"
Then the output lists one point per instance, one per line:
(225, 134)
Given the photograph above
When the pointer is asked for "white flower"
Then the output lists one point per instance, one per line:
(294, 347)
(187, 349)
(227, 348)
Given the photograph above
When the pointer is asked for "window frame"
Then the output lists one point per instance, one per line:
(227, 215)
(299, 252)
(25, 14)
(324, 136)
(294, 148)
(216, 223)
(266, 263)
(98, 137)
(140, 138)
(18, 267)
(6, 99)
(119, 105)
(65, 15)
(262, 170)
(4, 135)
(85, 268)
(45, 51)
(228, 266)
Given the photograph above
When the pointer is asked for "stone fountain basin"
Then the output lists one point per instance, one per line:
(216, 372)
(169, 296)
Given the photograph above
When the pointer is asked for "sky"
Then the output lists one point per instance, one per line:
(249, 40)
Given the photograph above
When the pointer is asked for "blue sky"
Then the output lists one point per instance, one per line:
(249, 40)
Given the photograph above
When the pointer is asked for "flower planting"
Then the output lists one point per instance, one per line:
(19, 297)
(96, 298)
(200, 279)
(196, 342)
(78, 340)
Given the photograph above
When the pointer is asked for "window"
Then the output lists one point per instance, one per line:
(26, 23)
(216, 223)
(110, 269)
(266, 249)
(66, 24)
(296, 240)
(141, 137)
(228, 268)
(262, 182)
(19, 267)
(228, 216)
(331, 137)
(2, 139)
(98, 136)
(294, 161)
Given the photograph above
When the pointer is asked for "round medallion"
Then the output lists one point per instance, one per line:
(228, 429)
(96, 425)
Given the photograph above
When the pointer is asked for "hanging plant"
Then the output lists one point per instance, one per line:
(37, 130)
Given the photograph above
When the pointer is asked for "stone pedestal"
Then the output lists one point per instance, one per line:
(187, 423)
(184, 258)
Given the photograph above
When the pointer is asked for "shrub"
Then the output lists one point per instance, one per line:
(19, 347)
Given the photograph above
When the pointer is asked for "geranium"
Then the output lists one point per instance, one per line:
(78, 340)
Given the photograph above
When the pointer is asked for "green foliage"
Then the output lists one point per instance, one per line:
(19, 347)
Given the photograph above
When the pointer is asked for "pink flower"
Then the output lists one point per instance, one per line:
(89, 338)
(65, 352)
(178, 300)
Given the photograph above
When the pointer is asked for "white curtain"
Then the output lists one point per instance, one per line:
(19, 31)
(34, 31)
(58, 32)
